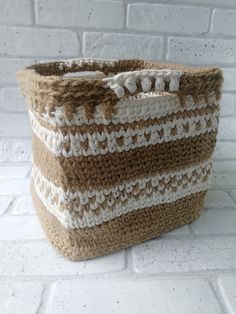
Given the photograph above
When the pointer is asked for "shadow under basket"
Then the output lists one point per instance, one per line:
(122, 149)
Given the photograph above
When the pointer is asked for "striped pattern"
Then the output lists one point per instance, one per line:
(104, 142)
(80, 210)
(143, 107)
(121, 158)
(79, 206)
(86, 173)
(120, 232)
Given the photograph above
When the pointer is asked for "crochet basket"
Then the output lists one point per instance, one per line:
(122, 156)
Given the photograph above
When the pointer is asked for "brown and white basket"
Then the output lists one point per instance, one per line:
(120, 157)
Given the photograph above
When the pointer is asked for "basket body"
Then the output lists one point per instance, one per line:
(122, 159)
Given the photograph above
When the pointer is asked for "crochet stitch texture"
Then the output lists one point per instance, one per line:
(122, 157)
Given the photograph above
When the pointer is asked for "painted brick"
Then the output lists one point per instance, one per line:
(227, 284)
(223, 22)
(224, 166)
(227, 129)
(224, 181)
(20, 297)
(5, 202)
(38, 42)
(218, 200)
(215, 222)
(225, 150)
(178, 231)
(9, 172)
(82, 13)
(11, 100)
(18, 259)
(20, 228)
(201, 50)
(215, 2)
(11, 12)
(23, 205)
(122, 46)
(16, 125)
(8, 68)
(229, 79)
(185, 255)
(133, 296)
(12, 150)
(227, 105)
(233, 194)
(14, 186)
(168, 18)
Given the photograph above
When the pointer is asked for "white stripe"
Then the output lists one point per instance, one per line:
(142, 107)
(128, 80)
(54, 197)
(56, 141)
(65, 63)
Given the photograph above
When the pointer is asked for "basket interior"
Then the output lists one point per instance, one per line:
(108, 67)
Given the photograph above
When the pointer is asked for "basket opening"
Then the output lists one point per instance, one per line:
(84, 74)
(87, 74)
(105, 66)
(109, 67)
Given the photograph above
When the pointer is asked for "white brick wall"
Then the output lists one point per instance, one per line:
(36, 258)
(185, 256)
(228, 104)
(81, 13)
(12, 100)
(189, 270)
(226, 28)
(229, 78)
(14, 125)
(8, 68)
(168, 18)
(201, 50)
(107, 45)
(13, 297)
(67, 297)
(38, 42)
(15, 150)
(13, 13)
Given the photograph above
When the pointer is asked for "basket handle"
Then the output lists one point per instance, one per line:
(129, 80)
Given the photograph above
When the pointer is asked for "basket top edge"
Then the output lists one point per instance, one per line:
(54, 70)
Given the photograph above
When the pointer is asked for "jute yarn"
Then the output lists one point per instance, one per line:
(119, 157)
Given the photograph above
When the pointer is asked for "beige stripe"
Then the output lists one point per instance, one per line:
(88, 173)
(133, 109)
(97, 206)
(120, 232)
(68, 144)
(44, 84)
(183, 112)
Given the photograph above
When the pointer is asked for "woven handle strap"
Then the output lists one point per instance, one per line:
(129, 80)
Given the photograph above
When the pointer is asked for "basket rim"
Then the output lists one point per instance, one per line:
(99, 64)
(44, 87)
